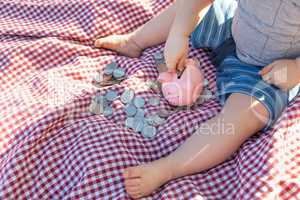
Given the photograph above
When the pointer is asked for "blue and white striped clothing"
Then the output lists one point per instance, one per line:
(215, 27)
(233, 74)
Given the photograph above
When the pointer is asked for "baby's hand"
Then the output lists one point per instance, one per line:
(284, 73)
(176, 51)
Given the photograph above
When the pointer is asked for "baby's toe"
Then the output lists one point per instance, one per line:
(132, 172)
(133, 182)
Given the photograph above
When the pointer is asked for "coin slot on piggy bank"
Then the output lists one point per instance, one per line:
(183, 91)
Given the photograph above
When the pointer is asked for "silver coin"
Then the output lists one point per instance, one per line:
(154, 101)
(121, 78)
(149, 131)
(108, 71)
(164, 113)
(98, 77)
(130, 110)
(129, 122)
(205, 82)
(100, 99)
(142, 118)
(150, 120)
(154, 85)
(159, 120)
(127, 96)
(155, 120)
(107, 111)
(118, 73)
(159, 62)
(94, 98)
(158, 56)
(94, 108)
(140, 113)
(139, 102)
(111, 95)
(112, 65)
(200, 101)
(138, 125)
(207, 94)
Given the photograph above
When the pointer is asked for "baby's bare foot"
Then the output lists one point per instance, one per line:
(142, 180)
(122, 44)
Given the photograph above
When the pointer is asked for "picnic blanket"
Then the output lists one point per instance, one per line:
(51, 147)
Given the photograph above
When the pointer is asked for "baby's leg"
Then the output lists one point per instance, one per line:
(211, 144)
(154, 32)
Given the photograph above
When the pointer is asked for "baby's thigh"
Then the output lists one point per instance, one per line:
(246, 106)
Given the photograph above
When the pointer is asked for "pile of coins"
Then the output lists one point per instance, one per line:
(110, 75)
(136, 118)
(101, 103)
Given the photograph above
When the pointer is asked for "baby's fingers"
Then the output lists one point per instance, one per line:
(268, 78)
(171, 65)
(266, 69)
(181, 64)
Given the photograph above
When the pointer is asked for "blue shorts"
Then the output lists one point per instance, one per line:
(233, 75)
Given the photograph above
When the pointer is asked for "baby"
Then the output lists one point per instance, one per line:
(257, 46)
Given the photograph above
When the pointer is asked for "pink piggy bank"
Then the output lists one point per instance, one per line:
(185, 90)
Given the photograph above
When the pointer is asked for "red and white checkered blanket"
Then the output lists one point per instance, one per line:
(52, 148)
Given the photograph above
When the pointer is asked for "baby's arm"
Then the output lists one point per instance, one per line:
(186, 18)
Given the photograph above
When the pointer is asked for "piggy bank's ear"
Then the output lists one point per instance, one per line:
(165, 77)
